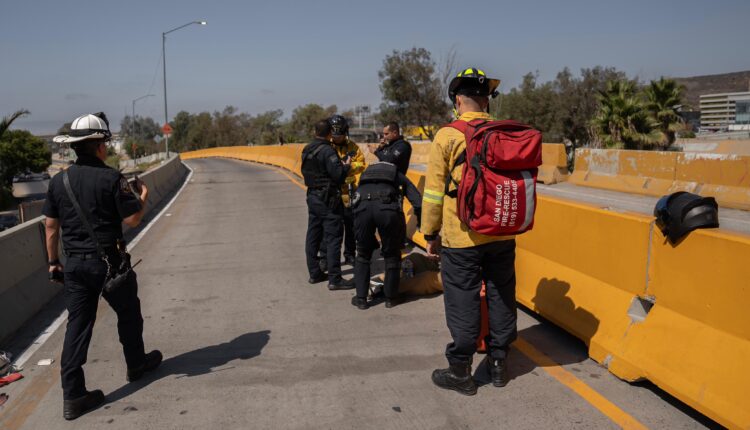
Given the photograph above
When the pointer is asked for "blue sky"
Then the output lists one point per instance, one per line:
(60, 59)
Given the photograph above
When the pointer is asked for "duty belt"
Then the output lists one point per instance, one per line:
(383, 197)
(90, 255)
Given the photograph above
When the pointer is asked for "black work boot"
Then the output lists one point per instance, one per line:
(456, 377)
(153, 360)
(498, 370)
(73, 409)
(360, 302)
(343, 284)
(319, 278)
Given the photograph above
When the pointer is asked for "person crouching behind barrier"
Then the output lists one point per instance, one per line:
(377, 206)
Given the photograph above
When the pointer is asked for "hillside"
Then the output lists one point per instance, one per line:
(708, 84)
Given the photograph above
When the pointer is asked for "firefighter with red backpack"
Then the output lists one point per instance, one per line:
(479, 193)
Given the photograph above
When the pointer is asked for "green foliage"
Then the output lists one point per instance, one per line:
(535, 104)
(8, 120)
(412, 90)
(21, 151)
(302, 124)
(622, 120)
(140, 128)
(663, 98)
(562, 109)
(266, 128)
(140, 136)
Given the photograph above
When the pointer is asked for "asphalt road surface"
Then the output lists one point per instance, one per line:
(248, 343)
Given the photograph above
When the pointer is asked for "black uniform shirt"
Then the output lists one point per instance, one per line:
(330, 159)
(105, 197)
(397, 152)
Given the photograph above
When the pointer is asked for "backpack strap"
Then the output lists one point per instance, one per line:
(464, 127)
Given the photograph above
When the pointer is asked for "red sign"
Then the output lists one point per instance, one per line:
(167, 129)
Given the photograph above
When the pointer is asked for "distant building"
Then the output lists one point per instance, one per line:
(725, 111)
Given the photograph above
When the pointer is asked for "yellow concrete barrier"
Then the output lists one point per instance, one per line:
(723, 176)
(420, 153)
(676, 316)
(554, 166)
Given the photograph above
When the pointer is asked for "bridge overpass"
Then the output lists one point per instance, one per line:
(249, 344)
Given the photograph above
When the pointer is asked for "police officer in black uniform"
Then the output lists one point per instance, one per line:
(324, 173)
(377, 206)
(393, 148)
(106, 199)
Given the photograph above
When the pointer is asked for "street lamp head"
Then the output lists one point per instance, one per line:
(201, 22)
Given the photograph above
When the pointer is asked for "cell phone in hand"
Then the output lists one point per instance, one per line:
(135, 184)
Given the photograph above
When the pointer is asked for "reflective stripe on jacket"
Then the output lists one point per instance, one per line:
(358, 166)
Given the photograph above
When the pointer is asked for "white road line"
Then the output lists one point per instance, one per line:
(39, 341)
(52, 328)
(140, 235)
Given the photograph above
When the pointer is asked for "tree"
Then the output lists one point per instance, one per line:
(563, 108)
(622, 120)
(302, 124)
(533, 104)
(199, 133)
(663, 98)
(578, 100)
(180, 125)
(412, 90)
(8, 120)
(21, 151)
(265, 128)
(140, 128)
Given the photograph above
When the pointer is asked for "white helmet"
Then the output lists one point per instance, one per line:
(89, 126)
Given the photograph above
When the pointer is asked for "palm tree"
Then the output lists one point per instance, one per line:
(663, 98)
(8, 120)
(622, 120)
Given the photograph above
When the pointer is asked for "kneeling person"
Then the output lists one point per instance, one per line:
(377, 206)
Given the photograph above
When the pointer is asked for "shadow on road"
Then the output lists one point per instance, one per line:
(200, 361)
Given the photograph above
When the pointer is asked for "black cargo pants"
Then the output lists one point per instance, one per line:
(324, 220)
(84, 279)
(349, 237)
(388, 220)
(463, 270)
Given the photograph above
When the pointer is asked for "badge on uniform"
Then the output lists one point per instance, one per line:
(396, 153)
(334, 158)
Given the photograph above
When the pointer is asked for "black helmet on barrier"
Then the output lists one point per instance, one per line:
(472, 82)
(680, 213)
(339, 125)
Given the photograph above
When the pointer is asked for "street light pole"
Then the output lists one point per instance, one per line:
(164, 62)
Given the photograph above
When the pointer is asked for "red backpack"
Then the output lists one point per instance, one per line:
(497, 192)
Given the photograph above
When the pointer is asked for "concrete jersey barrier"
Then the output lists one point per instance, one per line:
(725, 177)
(675, 315)
(24, 287)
